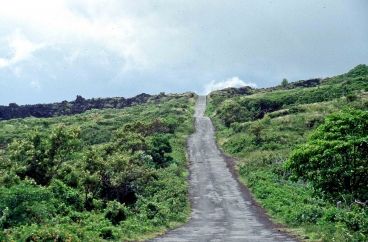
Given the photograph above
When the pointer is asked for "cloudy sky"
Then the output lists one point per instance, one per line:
(51, 51)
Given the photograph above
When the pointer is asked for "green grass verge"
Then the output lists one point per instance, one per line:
(262, 144)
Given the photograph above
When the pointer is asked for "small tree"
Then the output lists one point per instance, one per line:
(159, 146)
(40, 155)
(284, 82)
(257, 130)
(335, 158)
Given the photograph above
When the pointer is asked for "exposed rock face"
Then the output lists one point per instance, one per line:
(246, 90)
(80, 105)
(302, 83)
(307, 83)
(233, 92)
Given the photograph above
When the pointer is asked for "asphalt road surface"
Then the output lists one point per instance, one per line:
(220, 209)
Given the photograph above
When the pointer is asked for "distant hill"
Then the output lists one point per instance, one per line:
(79, 105)
(248, 104)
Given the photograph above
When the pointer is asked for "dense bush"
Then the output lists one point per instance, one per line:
(334, 160)
(231, 111)
(123, 181)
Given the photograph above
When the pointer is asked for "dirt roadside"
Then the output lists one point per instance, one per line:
(222, 208)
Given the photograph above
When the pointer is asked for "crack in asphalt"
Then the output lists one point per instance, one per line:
(220, 210)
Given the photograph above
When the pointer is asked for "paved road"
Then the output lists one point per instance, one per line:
(220, 211)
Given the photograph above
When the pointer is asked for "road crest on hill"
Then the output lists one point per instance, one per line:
(222, 208)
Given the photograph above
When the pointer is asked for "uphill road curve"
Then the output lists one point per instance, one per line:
(220, 210)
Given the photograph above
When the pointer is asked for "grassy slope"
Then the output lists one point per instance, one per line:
(96, 130)
(263, 145)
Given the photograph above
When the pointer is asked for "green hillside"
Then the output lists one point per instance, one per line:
(110, 174)
(299, 177)
(120, 174)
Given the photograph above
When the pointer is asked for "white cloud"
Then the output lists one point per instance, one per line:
(3, 62)
(231, 82)
(123, 28)
(72, 56)
(21, 48)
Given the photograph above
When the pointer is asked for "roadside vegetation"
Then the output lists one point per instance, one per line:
(302, 150)
(103, 175)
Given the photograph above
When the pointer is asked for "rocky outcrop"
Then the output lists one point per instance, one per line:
(233, 92)
(306, 83)
(80, 105)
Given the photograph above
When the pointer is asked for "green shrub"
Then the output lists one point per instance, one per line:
(115, 212)
(26, 203)
(334, 159)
